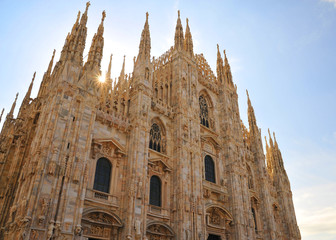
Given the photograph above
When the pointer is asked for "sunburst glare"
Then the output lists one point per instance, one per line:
(101, 78)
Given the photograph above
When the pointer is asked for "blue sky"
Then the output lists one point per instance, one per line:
(283, 52)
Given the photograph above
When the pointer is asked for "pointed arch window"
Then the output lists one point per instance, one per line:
(209, 169)
(102, 175)
(204, 113)
(155, 191)
(155, 138)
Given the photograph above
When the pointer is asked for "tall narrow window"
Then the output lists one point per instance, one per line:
(102, 175)
(254, 219)
(155, 191)
(204, 114)
(155, 138)
(209, 169)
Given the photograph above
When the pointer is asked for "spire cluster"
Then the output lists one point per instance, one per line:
(96, 50)
(75, 42)
(223, 69)
(183, 42)
(273, 155)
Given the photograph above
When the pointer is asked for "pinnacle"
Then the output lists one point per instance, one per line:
(87, 6)
(145, 42)
(13, 105)
(1, 114)
(179, 39)
(103, 16)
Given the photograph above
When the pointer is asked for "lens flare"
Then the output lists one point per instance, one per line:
(101, 79)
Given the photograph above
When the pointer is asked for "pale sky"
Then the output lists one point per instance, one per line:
(283, 52)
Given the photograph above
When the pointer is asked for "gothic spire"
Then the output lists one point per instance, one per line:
(108, 73)
(268, 156)
(46, 76)
(122, 72)
(85, 16)
(275, 141)
(220, 74)
(251, 116)
(11, 112)
(145, 42)
(227, 70)
(278, 152)
(179, 39)
(48, 72)
(74, 27)
(188, 43)
(96, 49)
(270, 141)
(1, 114)
(75, 42)
(27, 97)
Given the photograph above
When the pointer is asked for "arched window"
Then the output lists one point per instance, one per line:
(204, 113)
(209, 169)
(155, 138)
(254, 219)
(155, 191)
(102, 175)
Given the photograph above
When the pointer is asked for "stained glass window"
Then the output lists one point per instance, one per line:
(209, 169)
(102, 175)
(155, 138)
(155, 191)
(204, 114)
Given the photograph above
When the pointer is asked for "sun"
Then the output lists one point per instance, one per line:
(101, 79)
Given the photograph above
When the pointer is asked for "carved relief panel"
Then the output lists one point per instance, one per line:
(159, 232)
(100, 225)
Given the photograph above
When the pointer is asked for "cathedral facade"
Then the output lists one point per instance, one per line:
(159, 154)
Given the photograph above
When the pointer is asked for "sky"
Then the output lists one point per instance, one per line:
(283, 52)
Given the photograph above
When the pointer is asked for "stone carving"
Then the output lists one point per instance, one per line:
(206, 193)
(78, 230)
(33, 235)
(76, 174)
(50, 230)
(215, 218)
(138, 227)
(139, 189)
(158, 232)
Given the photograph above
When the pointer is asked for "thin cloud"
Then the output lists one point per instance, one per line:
(316, 211)
(235, 65)
(331, 1)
